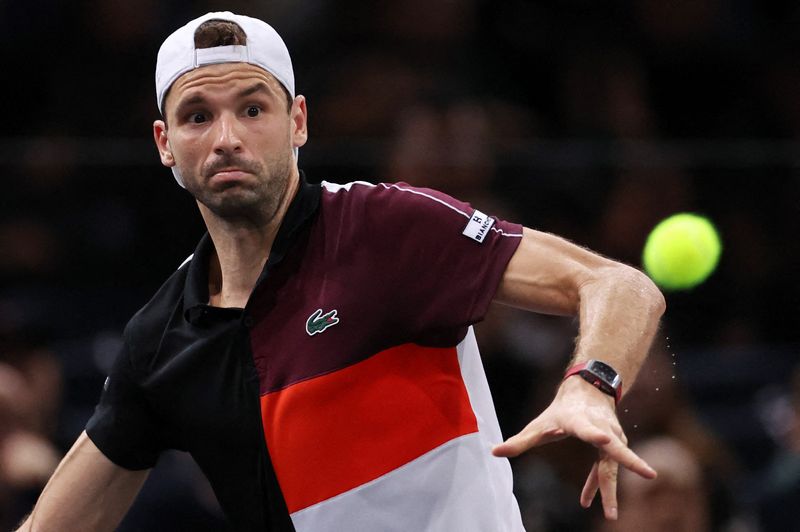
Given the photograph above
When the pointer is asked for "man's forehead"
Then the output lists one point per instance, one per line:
(221, 76)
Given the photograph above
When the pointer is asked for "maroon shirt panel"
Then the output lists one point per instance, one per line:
(393, 264)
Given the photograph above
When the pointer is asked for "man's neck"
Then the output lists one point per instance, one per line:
(242, 250)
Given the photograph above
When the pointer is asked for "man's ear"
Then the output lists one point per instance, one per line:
(299, 118)
(162, 143)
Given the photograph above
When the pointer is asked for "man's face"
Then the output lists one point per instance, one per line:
(231, 137)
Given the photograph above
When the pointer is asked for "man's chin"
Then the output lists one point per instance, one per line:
(235, 203)
(232, 202)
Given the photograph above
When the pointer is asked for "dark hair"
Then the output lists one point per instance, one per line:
(218, 32)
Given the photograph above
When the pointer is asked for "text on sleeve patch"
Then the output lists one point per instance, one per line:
(478, 226)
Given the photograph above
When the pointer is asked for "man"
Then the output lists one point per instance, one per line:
(315, 356)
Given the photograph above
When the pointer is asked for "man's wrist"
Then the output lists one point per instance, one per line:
(600, 375)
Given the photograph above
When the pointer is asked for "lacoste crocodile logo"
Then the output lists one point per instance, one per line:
(318, 321)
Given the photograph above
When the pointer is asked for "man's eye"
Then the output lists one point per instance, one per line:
(253, 111)
(197, 118)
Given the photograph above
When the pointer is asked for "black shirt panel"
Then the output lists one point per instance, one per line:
(300, 212)
(185, 379)
(125, 425)
(136, 436)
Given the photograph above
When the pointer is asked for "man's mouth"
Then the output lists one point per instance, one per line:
(229, 174)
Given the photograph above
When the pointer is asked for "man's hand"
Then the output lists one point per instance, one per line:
(582, 411)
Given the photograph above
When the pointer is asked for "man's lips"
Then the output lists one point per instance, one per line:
(229, 174)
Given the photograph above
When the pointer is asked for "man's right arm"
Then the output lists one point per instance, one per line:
(87, 492)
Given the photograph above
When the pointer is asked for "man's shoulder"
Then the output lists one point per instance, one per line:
(392, 200)
(366, 190)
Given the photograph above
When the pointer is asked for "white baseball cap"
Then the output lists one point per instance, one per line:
(264, 48)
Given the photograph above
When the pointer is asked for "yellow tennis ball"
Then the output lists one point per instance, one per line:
(681, 251)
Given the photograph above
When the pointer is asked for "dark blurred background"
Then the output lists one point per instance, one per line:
(592, 120)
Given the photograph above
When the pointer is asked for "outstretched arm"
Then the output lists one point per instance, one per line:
(619, 309)
(87, 492)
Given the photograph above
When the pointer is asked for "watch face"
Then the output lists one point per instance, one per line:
(602, 370)
(601, 376)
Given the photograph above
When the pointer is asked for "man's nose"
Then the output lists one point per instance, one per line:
(227, 135)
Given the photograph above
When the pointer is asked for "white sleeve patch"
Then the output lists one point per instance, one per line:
(478, 226)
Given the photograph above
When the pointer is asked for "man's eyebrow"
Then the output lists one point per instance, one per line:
(259, 86)
(192, 100)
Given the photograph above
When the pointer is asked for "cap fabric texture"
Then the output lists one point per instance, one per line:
(264, 48)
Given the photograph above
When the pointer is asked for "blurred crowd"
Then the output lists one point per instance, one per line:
(591, 120)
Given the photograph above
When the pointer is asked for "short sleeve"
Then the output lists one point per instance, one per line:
(435, 261)
(123, 426)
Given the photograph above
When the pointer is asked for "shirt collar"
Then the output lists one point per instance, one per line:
(302, 208)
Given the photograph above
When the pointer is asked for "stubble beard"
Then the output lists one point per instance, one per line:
(251, 204)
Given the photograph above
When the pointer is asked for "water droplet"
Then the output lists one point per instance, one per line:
(636, 426)
(673, 376)
(658, 389)
(626, 410)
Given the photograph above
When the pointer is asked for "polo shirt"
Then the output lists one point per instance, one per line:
(349, 393)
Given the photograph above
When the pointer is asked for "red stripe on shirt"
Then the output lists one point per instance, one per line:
(335, 432)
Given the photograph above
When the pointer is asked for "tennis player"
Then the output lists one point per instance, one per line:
(315, 354)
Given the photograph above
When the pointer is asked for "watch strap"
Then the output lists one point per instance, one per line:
(584, 370)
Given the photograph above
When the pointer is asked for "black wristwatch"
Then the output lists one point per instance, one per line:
(600, 375)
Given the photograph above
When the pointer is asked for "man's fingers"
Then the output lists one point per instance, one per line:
(620, 453)
(527, 438)
(607, 471)
(604, 474)
(541, 430)
(589, 488)
(583, 415)
(594, 435)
